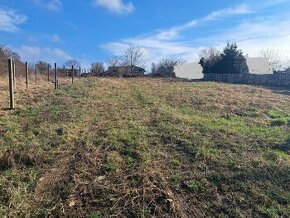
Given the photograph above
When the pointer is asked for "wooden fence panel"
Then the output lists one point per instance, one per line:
(279, 79)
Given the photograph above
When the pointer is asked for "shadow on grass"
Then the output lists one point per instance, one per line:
(280, 90)
(6, 109)
(285, 147)
(176, 79)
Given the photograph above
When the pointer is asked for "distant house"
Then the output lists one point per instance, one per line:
(125, 71)
(256, 65)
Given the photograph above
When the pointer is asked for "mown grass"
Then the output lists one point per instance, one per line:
(145, 148)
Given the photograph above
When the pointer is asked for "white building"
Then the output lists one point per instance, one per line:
(256, 65)
(259, 65)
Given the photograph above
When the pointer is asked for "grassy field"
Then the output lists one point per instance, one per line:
(145, 148)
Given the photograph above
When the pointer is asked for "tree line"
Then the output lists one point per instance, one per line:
(230, 60)
(133, 56)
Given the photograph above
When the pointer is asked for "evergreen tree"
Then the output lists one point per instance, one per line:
(230, 61)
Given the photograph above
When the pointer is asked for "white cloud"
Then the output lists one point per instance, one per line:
(117, 6)
(255, 35)
(239, 10)
(166, 43)
(53, 5)
(10, 20)
(215, 15)
(72, 25)
(274, 2)
(43, 38)
(34, 54)
(252, 34)
(55, 38)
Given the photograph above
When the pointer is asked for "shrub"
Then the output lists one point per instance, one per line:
(165, 68)
(98, 68)
(230, 61)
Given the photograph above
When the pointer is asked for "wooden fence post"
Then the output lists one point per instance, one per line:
(11, 85)
(35, 75)
(26, 74)
(14, 73)
(55, 77)
(48, 72)
(80, 71)
(72, 69)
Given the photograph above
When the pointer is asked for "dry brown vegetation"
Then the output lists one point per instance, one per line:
(144, 148)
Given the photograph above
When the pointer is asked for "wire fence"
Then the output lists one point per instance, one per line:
(33, 76)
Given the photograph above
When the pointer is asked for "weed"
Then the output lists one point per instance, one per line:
(192, 185)
(114, 161)
(94, 215)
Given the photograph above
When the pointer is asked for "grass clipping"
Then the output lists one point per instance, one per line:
(80, 185)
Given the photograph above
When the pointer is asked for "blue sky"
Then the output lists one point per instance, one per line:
(93, 30)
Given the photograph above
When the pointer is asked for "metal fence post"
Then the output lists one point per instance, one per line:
(26, 74)
(11, 85)
(72, 74)
(55, 77)
(48, 72)
(35, 74)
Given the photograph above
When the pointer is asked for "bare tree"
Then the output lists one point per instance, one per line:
(171, 62)
(76, 64)
(114, 61)
(208, 58)
(287, 64)
(274, 57)
(153, 68)
(97, 68)
(134, 56)
(8, 53)
(210, 53)
(165, 68)
(71, 63)
(42, 66)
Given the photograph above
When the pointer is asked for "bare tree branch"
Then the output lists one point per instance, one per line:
(274, 57)
(134, 56)
(42, 66)
(97, 68)
(71, 63)
(114, 61)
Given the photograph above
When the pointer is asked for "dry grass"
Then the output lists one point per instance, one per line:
(37, 88)
(145, 148)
